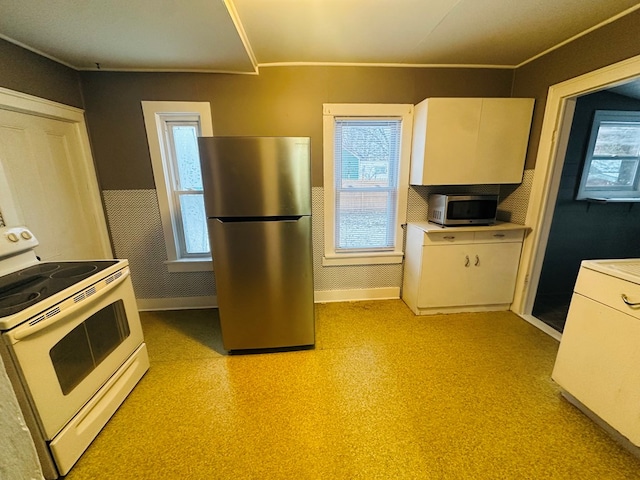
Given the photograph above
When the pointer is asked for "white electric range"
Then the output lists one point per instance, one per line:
(71, 342)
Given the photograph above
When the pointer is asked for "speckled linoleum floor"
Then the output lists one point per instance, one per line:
(384, 395)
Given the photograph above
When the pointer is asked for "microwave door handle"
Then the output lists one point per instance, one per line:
(25, 330)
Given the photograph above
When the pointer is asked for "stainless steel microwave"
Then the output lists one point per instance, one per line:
(452, 210)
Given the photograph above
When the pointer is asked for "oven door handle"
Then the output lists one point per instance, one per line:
(67, 307)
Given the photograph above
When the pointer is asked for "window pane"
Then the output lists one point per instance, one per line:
(365, 220)
(368, 152)
(194, 223)
(611, 173)
(618, 139)
(185, 139)
(366, 170)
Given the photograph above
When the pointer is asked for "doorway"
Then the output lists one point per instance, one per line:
(584, 229)
(554, 140)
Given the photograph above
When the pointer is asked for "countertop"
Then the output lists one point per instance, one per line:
(625, 269)
(429, 227)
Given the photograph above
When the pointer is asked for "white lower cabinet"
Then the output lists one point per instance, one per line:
(599, 354)
(461, 268)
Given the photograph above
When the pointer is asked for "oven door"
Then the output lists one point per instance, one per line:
(65, 358)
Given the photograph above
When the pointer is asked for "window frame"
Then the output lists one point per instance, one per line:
(331, 112)
(156, 114)
(621, 194)
(173, 172)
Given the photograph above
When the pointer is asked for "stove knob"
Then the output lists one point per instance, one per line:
(26, 235)
(13, 237)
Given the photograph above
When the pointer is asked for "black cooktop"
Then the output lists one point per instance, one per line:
(21, 289)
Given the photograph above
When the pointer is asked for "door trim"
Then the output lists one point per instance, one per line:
(31, 105)
(551, 149)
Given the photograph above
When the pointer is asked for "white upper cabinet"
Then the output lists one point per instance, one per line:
(466, 141)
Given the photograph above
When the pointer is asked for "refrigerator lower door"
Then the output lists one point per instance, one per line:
(264, 281)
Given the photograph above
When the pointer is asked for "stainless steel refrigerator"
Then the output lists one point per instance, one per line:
(257, 193)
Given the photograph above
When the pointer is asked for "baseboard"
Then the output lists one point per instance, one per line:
(325, 296)
(500, 307)
(176, 303)
(321, 296)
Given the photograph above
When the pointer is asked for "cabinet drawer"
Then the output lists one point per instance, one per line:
(442, 238)
(608, 290)
(491, 236)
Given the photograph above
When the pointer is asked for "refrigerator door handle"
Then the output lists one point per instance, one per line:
(293, 218)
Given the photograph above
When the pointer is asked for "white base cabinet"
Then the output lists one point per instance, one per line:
(599, 354)
(460, 269)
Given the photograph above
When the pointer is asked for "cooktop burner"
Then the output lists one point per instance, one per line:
(21, 289)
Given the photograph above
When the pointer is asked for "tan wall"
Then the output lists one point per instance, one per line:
(612, 43)
(283, 101)
(27, 72)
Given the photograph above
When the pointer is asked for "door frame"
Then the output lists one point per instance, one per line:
(28, 104)
(554, 137)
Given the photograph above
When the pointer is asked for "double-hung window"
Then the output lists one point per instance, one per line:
(366, 169)
(612, 164)
(172, 132)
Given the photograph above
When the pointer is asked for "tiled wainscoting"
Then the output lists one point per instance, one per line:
(136, 232)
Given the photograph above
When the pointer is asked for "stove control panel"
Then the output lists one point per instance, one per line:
(14, 240)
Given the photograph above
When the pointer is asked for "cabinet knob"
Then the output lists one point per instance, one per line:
(466, 263)
(498, 235)
(449, 237)
(477, 261)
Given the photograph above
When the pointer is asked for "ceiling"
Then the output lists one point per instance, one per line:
(239, 36)
(629, 89)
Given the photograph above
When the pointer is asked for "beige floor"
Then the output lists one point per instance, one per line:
(384, 395)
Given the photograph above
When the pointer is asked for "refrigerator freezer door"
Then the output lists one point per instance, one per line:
(256, 176)
(264, 281)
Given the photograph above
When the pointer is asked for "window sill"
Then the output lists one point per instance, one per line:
(190, 265)
(613, 200)
(368, 258)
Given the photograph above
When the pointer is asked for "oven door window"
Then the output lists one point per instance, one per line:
(76, 355)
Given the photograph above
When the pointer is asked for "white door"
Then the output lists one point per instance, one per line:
(43, 166)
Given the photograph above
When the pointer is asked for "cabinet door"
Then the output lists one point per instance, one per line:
(464, 141)
(502, 140)
(492, 275)
(445, 140)
(444, 276)
(470, 274)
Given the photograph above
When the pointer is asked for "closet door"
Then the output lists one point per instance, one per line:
(47, 185)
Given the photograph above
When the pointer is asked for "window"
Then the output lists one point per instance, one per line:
(366, 172)
(186, 182)
(172, 132)
(611, 165)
